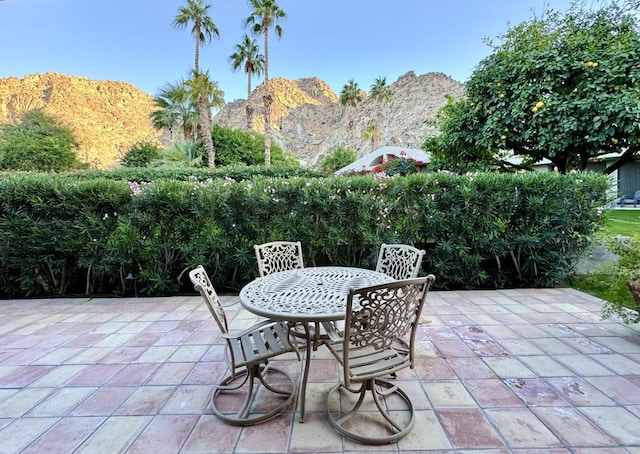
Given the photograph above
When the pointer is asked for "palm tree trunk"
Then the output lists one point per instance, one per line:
(267, 102)
(376, 135)
(205, 131)
(249, 109)
(350, 125)
(197, 58)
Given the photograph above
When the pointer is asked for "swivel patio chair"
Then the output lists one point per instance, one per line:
(376, 315)
(247, 355)
(400, 261)
(282, 256)
(278, 256)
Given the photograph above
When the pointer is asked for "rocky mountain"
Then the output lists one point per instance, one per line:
(307, 118)
(106, 117)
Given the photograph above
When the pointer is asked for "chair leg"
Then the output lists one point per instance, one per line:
(364, 426)
(246, 415)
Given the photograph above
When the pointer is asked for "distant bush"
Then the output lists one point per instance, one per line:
(38, 143)
(400, 166)
(338, 158)
(141, 154)
(234, 146)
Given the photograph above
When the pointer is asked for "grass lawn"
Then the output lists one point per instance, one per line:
(603, 283)
(623, 222)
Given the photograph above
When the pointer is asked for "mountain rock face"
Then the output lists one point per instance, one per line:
(106, 117)
(307, 118)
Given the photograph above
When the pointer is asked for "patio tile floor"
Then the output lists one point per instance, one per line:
(507, 371)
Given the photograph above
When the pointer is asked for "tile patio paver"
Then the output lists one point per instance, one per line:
(498, 372)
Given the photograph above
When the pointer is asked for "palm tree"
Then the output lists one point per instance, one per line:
(380, 92)
(266, 13)
(248, 57)
(203, 29)
(370, 133)
(174, 107)
(206, 93)
(350, 97)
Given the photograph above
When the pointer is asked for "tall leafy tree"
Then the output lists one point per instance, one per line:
(265, 15)
(248, 57)
(380, 92)
(455, 149)
(350, 97)
(175, 108)
(203, 28)
(565, 87)
(206, 93)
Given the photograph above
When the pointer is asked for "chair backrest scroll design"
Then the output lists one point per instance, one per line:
(400, 261)
(278, 256)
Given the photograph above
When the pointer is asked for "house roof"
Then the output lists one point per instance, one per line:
(369, 161)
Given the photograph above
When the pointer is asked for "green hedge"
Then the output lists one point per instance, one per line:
(238, 173)
(64, 235)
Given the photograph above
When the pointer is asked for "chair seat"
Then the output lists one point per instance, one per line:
(259, 343)
(366, 362)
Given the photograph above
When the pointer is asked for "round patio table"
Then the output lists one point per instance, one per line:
(307, 295)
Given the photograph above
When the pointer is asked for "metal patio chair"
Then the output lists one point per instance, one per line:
(375, 316)
(247, 355)
(278, 256)
(400, 261)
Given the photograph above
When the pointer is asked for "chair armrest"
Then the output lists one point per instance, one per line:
(256, 327)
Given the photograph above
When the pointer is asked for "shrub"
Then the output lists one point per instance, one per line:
(234, 146)
(38, 143)
(65, 234)
(627, 268)
(400, 166)
(338, 158)
(141, 154)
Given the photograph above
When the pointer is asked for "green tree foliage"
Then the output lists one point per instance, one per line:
(400, 166)
(141, 154)
(181, 154)
(563, 87)
(38, 143)
(176, 109)
(235, 146)
(338, 158)
(455, 149)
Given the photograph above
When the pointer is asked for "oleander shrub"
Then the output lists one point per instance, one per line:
(69, 235)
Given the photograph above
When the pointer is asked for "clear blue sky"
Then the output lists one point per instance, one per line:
(337, 40)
